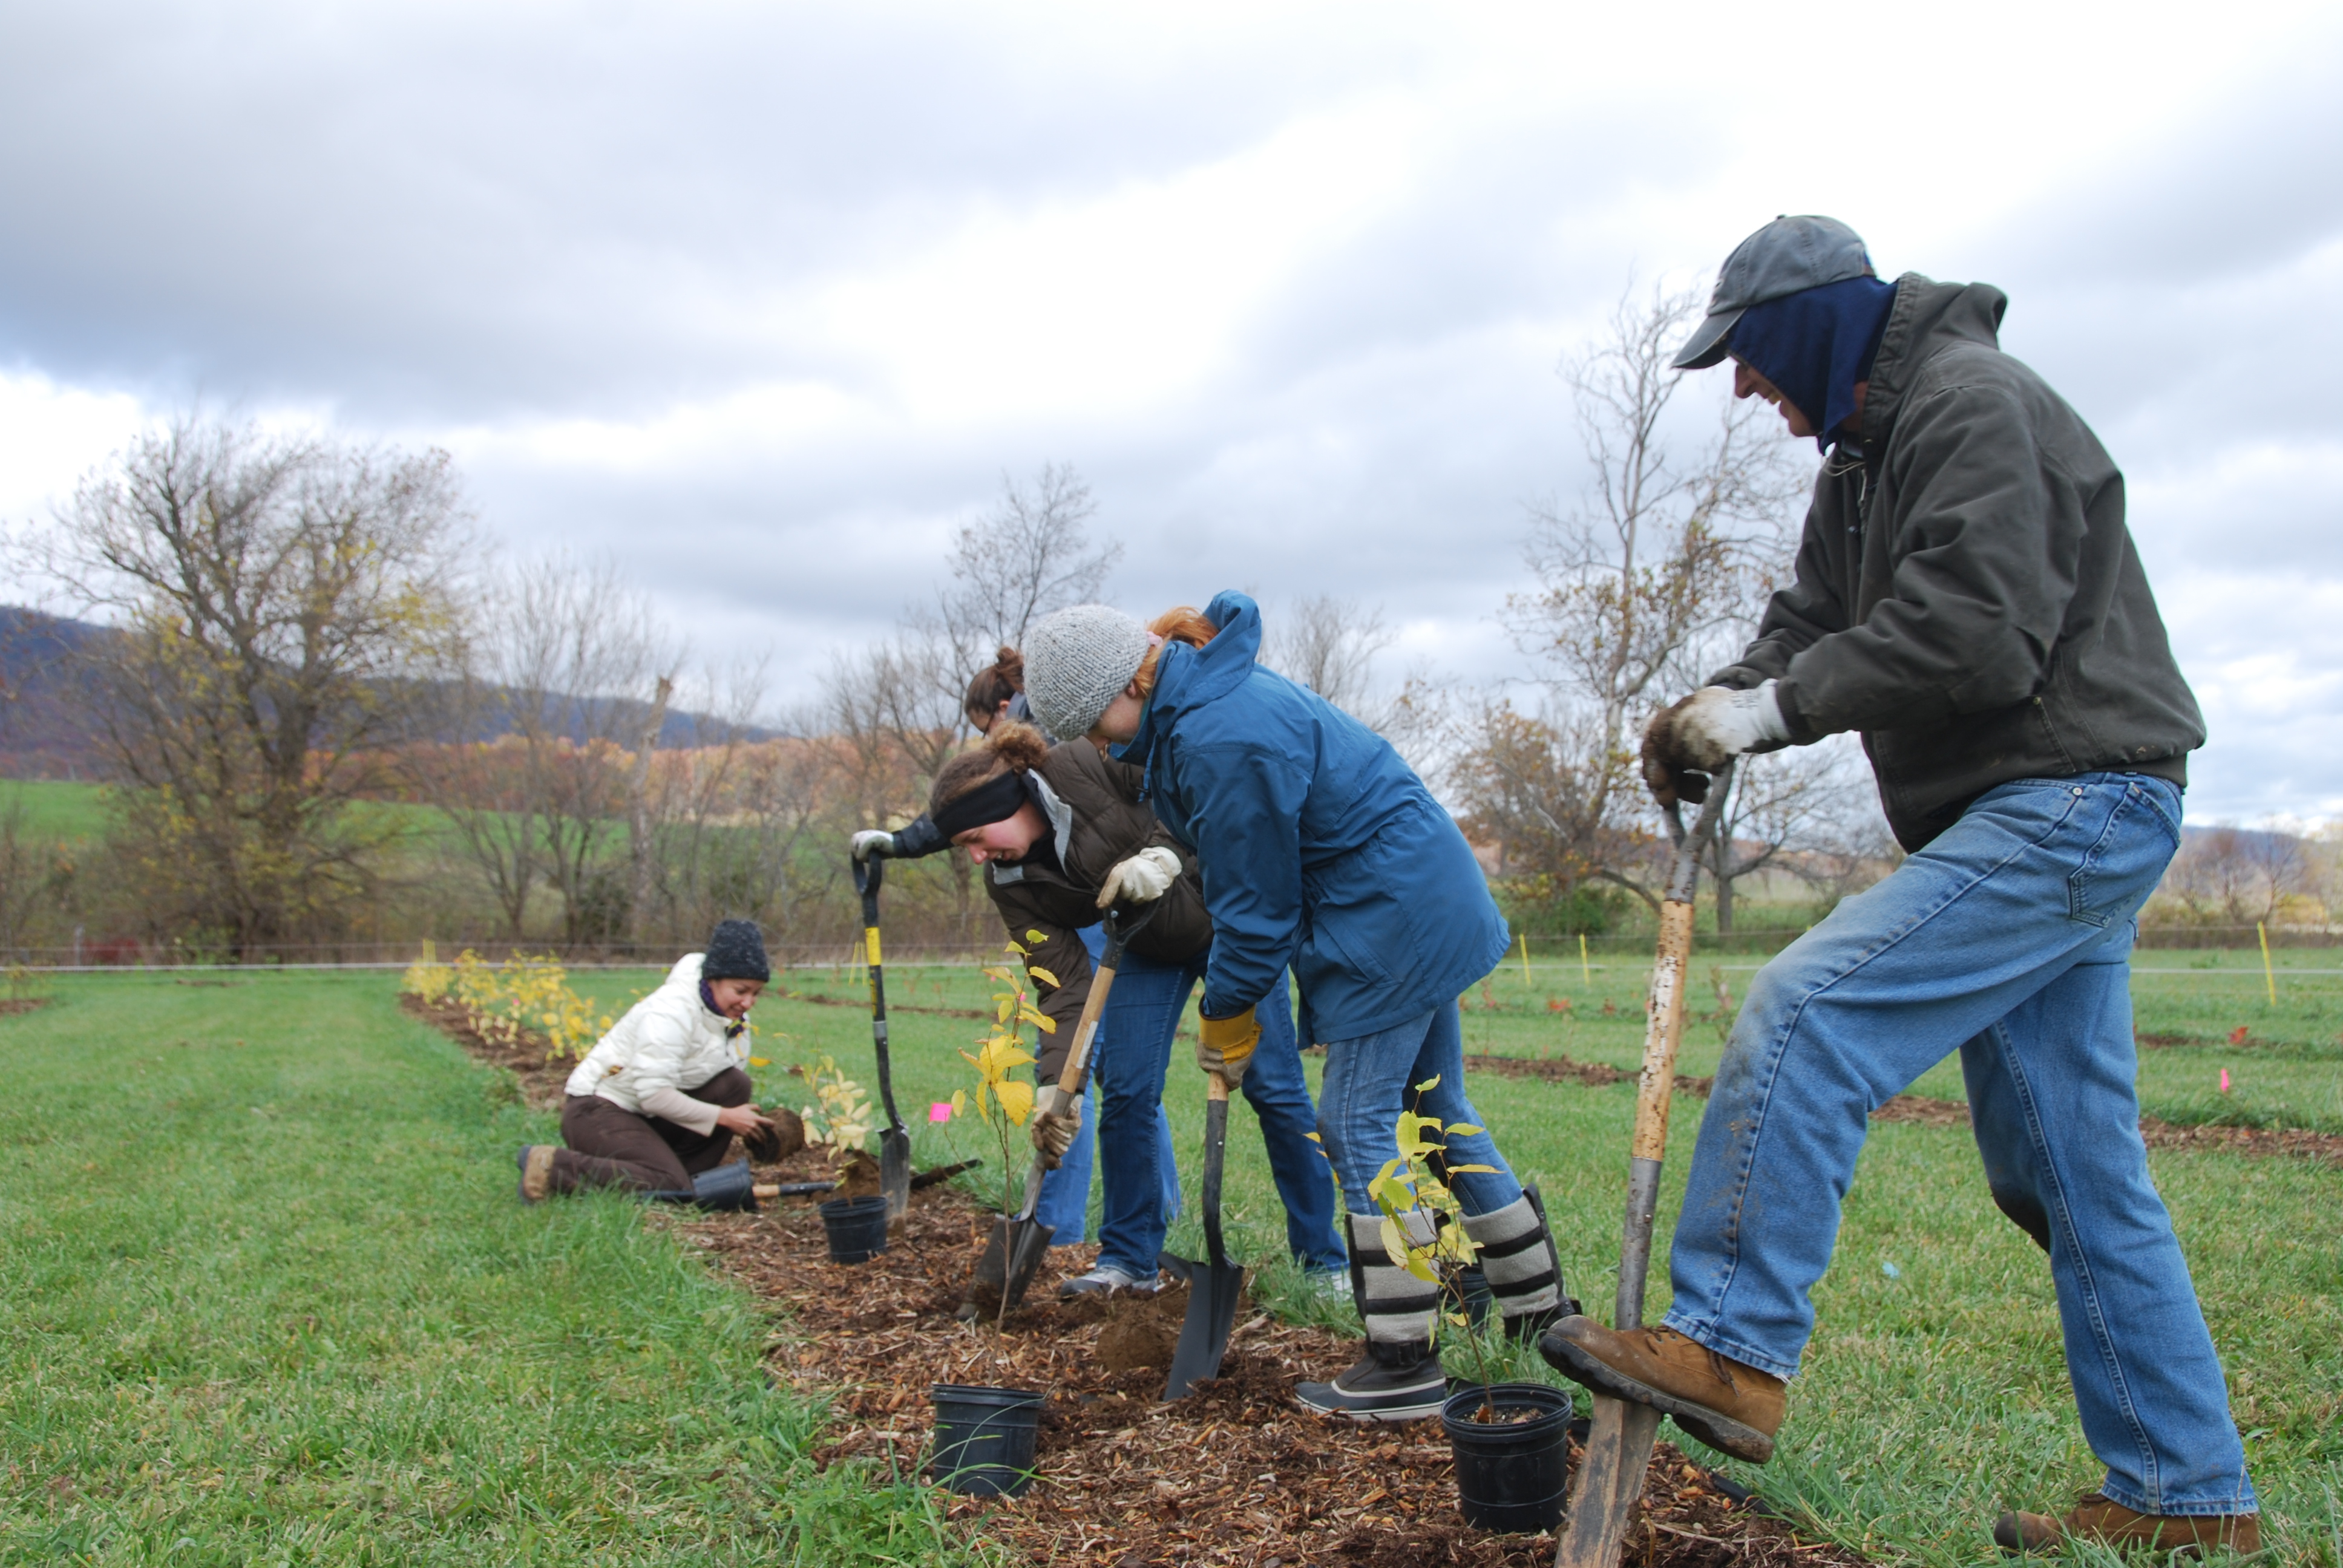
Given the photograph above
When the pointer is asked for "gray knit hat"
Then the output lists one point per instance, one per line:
(1076, 662)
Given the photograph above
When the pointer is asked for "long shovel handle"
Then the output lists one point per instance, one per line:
(1078, 1058)
(1662, 1035)
(1610, 1478)
(868, 875)
(1216, 1145)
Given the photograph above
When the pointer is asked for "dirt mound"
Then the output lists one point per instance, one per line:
(1235, 1474)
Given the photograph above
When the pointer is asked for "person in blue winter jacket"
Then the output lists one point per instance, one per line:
(1322, 851)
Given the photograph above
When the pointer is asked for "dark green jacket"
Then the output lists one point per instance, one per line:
(1095, 817)
(1968, 595)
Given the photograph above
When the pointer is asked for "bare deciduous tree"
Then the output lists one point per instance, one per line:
(278, 605)
(1658, 572)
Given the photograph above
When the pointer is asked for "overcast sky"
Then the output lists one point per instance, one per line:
(761, 300)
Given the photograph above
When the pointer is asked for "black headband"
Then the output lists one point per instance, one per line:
(996, 800)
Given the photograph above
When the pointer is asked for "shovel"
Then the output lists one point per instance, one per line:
(1013, 1252)
(1214, 1284)
(1610, 1480)
(894, 1144)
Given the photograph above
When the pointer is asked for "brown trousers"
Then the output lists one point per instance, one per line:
(610, 1146)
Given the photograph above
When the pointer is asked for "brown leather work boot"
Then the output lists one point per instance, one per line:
(2112, 1524)
(536, 1172)
(1724, 1404)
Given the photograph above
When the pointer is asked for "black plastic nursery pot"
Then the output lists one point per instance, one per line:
(856, 1228)
(984, 1439)
(1509, 1472)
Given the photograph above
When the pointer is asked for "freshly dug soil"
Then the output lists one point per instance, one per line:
(1236, 1473)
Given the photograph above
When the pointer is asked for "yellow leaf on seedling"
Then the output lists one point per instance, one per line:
(1394, 1241)
(1044, 976)
(1411, 1130)
(1428, 1084)
(1016, 1099)
(1463, 1130)
(759, 1061)
(960, 1101)
(1460, 1169)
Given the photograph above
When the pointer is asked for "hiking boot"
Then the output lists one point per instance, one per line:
(2095, 1518)
(1104, 1281)
(1390, 1383)
(1723, 1403)
(536, 1162)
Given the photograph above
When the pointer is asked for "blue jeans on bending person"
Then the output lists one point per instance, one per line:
(2008, 938)
(1370, 1079)
(1065, 1202)
(1142, 1015)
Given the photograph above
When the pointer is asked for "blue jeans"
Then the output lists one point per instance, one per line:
(1370, 1079)
(2008, 938)
(1143, 1014)
(1065, 1202)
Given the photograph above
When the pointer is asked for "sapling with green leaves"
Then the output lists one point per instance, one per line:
(1003, 1099)
(1424, 1223)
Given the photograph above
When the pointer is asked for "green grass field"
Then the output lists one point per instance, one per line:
(268, 1298)
(275, 1300)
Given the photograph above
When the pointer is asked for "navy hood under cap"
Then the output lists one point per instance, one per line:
(1815, 344)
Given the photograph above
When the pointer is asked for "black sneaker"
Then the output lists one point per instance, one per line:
(1377, 1390)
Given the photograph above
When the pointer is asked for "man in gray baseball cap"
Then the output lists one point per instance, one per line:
(1968, 599)
(1785, 258)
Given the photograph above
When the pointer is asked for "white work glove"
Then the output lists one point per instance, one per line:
(1686, 743)
(874, 841)
(1057, 1118)
(1143, 879)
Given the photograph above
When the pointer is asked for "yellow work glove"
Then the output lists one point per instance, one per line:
(1224, 1045)
(1057, 1119)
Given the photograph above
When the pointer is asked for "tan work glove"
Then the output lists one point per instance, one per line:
(1684, 744)
(1224, 1045)
(1143, 879)
(1057, 1119)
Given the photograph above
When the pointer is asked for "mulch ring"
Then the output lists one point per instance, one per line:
(541, 1076)
(1235, 1474)
(1929, 1112)
(10, 1006)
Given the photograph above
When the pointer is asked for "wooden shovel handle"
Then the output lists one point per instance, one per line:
(1662, 1032)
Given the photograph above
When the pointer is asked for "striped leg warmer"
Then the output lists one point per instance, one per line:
(1519, 1261)
(1397, 1306)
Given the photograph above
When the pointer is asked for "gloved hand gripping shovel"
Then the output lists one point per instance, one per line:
(1214, 1284)
(894, 1143)
(1013, 1252)
(1610, 1478)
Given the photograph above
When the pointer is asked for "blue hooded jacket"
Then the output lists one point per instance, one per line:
(1320, 849)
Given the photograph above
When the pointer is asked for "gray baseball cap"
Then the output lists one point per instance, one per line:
(1787, 255)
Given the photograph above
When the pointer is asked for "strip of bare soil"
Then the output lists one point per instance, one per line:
(10, 1006)
(1931, 1112)
(1236, 1473)
(530, 1059)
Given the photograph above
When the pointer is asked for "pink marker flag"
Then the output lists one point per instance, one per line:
(2224, 1080)
(941, 1109)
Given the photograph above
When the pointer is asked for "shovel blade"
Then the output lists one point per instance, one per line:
(1214, 1291)
(1012, 1255)
(1609, 1483)
(895, 1172)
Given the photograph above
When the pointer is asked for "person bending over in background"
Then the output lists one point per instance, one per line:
(1063, 835)
(1321, 849)
(1968, 597)
(656, 1103)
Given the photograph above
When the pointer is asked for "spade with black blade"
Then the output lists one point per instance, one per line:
(1013, 1252)
(1214, 1284)
(894, 1143)
(1610, 1478)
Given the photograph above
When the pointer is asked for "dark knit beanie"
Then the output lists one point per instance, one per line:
(735, 951)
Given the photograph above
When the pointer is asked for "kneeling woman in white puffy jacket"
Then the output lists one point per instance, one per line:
(655, 1105)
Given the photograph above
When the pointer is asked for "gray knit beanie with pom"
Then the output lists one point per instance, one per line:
(1076, 662)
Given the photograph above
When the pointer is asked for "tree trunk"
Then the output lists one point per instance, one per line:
(638, 818)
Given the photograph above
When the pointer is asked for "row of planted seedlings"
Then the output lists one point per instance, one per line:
(1508, 1440)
